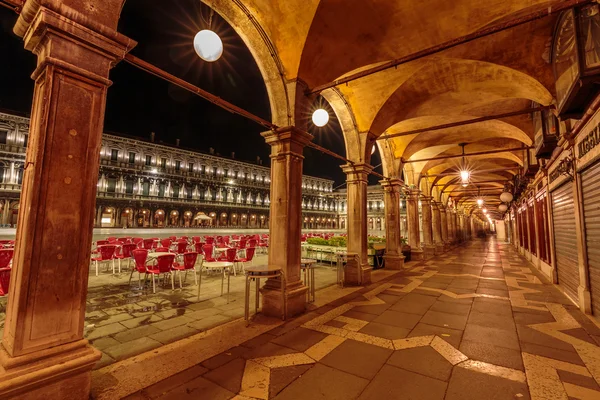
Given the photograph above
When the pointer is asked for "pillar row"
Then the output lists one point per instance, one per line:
(428, 246)
(358, 271)
(285, 222)
(444, 223)
(393, 250)
(412, 216)
(437, 228)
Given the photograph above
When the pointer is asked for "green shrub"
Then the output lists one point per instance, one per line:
(317, 240)
(338, 241)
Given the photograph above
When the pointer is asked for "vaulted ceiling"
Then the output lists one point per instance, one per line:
(319, 41)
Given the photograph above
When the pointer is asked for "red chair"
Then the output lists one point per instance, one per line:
(173, 238)
(184, 238)
(229, 256)
(209, 239)
(138, 241)
(252, 243)
(226, 240)
(107, 253)
(196, 239)
(6, 256)
(182, 247)
(207, 250)
(198, 247)
(165, 242)
(247, 257)
(123, 240)
(189, 262)
(264, 245)
(125, 252)
(162, 250)
(163, 265)
(101, 243)
(4, 280)
(139, 256)
(242, 243)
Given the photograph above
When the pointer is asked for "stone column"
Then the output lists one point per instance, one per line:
(285, 222)
(444, 221)
(393, 250)
(437, 228)
(428, 247)
(468, 227)
(455, 226)
(7, 212)
(43, 352)
(450, 218)
(359, 272)
(412, 218)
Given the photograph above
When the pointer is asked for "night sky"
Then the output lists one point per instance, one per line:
(139, 103)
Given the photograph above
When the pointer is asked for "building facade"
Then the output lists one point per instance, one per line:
(142, 184)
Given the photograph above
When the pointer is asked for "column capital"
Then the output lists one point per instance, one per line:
(45, 34)
(287, 134)
(414, 193)
(357, 172)
(427, 200)
(391, 184)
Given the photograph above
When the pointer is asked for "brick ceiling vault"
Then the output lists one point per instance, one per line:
(318, 41)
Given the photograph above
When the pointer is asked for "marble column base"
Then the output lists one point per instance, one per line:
(394, 262)
(49, 375)
(416, 255)
(439, 249)
(428, 251)
(295, 299)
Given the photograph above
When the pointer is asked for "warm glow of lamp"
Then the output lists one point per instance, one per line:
(320, 117)
(208, 45)
(485, 210)
(464, 176)
(506, 197)
(502, 207)
(479, 202)
(373, 149)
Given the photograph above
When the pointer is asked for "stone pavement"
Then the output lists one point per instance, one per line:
(474, 323)
(122, 321)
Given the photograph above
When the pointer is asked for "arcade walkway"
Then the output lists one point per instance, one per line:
(475, 323)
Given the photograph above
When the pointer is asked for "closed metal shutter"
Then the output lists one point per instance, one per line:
(565, 239)
(590, 182)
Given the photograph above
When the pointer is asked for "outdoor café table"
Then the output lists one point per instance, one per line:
(153, 255)
(257, 272)
(221, 250)
(308, 269)
(216, 265)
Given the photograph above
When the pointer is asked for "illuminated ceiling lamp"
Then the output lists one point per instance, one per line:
(479, 199)
(506, 195)
(465, 175)
(207, 44)
(320, 117)
(373, 149)
(502, 207)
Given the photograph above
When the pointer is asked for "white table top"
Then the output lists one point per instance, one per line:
(222, 248)
(217, 264)
(160, 253)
